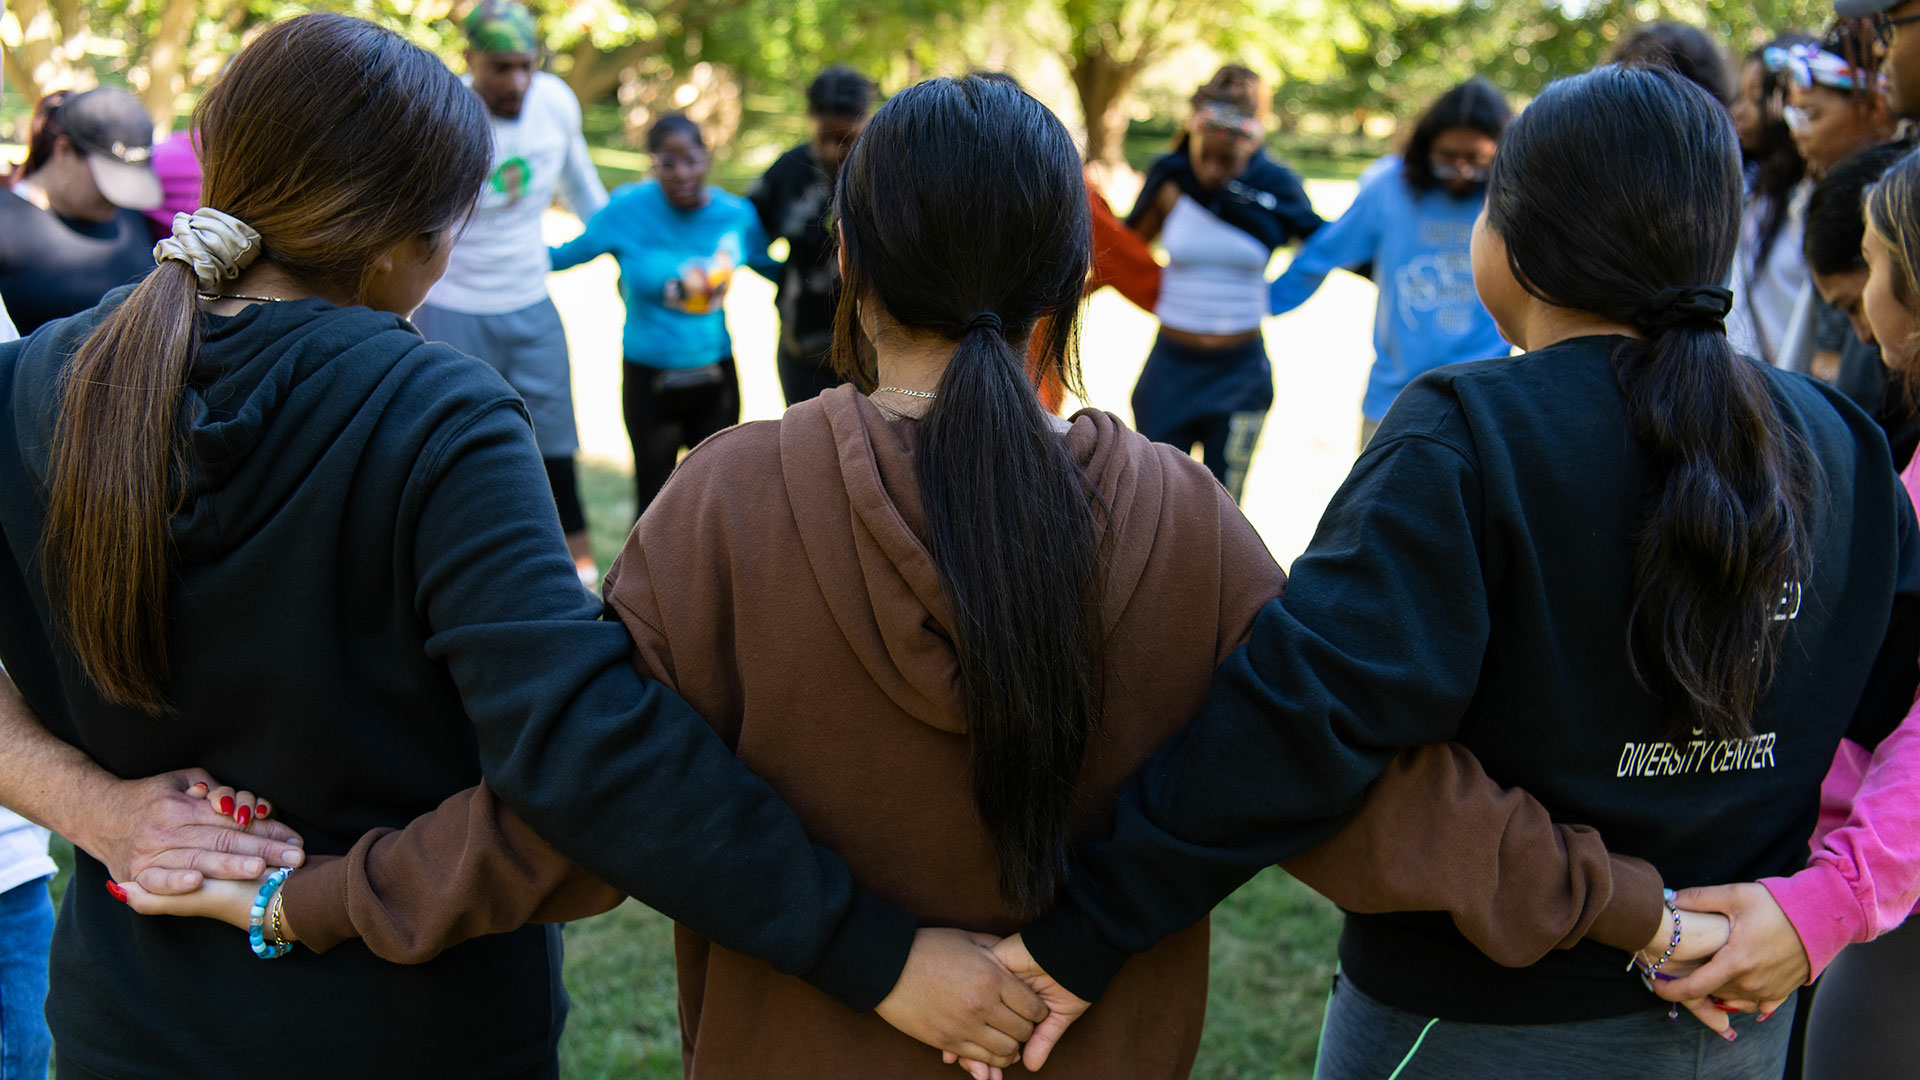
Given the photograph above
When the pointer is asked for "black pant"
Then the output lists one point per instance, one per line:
(1861, 1027)
(664, 419)
(565, 481)
(805, 376)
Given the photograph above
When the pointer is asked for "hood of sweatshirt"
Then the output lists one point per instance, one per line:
(310, 368)
(851, 485)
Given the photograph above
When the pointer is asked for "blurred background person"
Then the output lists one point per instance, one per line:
(493, 303)
(792, 199)
(70, 222)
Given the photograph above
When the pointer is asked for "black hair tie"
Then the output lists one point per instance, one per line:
(986, 319)
(1706, 305)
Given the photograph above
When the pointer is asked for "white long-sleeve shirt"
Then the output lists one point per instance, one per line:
(500, 263)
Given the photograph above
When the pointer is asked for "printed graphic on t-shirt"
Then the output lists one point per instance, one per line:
(512, 179)
(701, 288)
(1697, 756)
(1438, 284)
(1710, 755)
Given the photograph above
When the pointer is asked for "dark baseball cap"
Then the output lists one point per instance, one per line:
(113, 130)
(1859, 9)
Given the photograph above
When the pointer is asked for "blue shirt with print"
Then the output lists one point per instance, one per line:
(1419, 244)
(659, 247)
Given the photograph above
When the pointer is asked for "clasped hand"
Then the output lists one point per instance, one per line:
(979, 999)
(1756, 964)
(165, 835)
(1737, 953)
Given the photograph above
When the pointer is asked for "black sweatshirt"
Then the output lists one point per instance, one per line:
(372, 607)
(1471, 581)
(1266, 201)
(794, 199)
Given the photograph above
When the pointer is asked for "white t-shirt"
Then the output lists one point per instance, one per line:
(1764, 300)
(500, 262)
(23, 851)
(7, 331)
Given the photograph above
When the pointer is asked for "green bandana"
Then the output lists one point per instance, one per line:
(501, 26)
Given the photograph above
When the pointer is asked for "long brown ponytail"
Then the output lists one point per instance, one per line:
(337, 141)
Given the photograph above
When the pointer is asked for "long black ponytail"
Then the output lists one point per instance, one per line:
(1643, 232)
(963, 213)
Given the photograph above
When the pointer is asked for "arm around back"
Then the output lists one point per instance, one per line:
(614, 769)
(1333, 680)
(467, 868)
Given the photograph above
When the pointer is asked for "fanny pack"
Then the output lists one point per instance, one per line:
(678, 380)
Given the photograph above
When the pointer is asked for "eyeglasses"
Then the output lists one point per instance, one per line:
(1798, 121)
(1883, 25)
(676, 162)
(1449, 169)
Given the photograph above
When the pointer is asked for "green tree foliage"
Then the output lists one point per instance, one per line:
(1392, 56)
(1336, 63)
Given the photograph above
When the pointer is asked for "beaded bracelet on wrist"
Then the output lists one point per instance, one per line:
(256, 919)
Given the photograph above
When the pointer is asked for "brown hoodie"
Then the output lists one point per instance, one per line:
(781, 585)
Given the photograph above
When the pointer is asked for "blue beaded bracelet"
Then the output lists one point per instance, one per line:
(257, 915)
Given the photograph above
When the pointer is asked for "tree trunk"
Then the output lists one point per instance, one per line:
(166, 60)
(596, 75)
(1103, 84)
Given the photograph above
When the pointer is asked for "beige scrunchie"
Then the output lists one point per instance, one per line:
(217, 245)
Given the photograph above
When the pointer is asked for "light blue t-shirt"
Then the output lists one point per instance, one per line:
(1420, 248)
(658, 247)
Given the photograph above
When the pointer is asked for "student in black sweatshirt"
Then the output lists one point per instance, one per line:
(793, 199)
(250, 520)
(1650, 582)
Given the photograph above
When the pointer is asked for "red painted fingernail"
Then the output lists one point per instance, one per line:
(115, 891)
(245, 815)
(260, 810)
(1729, 1035)
(226, 805)
(1764, 1017)
(1724, 1007)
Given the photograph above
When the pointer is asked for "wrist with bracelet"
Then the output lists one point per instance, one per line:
(1650, 969)
(266, 929)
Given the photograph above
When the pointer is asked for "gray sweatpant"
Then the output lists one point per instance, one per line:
(1363, 1039)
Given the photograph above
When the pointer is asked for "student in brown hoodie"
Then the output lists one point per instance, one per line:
(875, 598)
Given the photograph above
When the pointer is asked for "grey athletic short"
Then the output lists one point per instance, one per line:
(529, 347)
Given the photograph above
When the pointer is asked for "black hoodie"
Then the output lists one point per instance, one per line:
(1472, 582)
(373, 605)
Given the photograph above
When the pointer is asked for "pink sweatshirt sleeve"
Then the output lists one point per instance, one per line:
(1864, 877)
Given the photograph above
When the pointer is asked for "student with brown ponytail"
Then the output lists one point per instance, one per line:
(1649, 581)
(253, 522)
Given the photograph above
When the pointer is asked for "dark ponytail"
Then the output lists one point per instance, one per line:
(397, 149)
(983, 247)
(1647, 241)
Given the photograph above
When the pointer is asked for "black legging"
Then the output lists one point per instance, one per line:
(1862, 1024)
(663, 421)
(565, 481)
